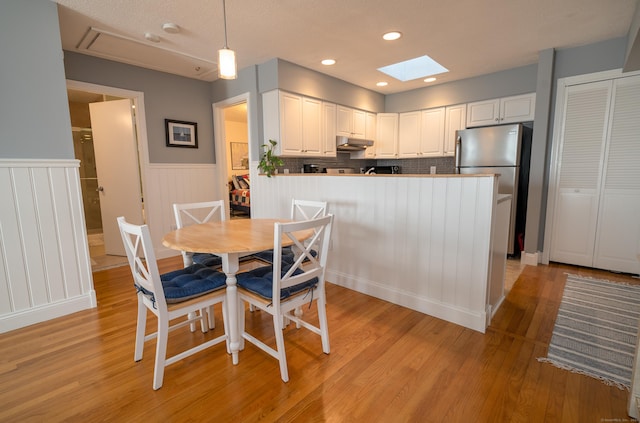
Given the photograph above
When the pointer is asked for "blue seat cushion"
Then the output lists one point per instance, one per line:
(206, 259)
(267, 256)
(190, 282)
(260, 282)
(288, 258)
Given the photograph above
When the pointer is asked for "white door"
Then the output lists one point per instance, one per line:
(584, 133)
(117, 168)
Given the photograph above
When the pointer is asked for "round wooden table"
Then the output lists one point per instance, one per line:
(230, 239)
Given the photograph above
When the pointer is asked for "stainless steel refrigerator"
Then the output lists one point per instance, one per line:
(506, 150)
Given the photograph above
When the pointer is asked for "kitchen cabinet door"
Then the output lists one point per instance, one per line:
(387, 136)
(359, 124)
(329, 129)
(409, 134)
(312, 142)
(455, 119)
(295, 122)
(483, 113)
(370, 134)
(432, 132)
(344, 121)
(290, 121)
(520, 108)
(351, 122)
(498, 111)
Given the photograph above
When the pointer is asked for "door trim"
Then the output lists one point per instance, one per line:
(221, 145)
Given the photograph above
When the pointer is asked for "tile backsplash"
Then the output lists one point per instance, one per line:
(408, 166)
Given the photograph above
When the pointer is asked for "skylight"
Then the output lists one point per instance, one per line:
(420, 67)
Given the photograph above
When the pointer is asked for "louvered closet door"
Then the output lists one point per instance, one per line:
(618, 231)
(584, 132)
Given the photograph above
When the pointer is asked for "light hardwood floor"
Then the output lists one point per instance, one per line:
(387, 364)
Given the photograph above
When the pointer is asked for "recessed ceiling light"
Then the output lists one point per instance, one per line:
(171, 28)
(420, 67)
(328, 62)
(382, 84)
(393, 35)
(430, 79)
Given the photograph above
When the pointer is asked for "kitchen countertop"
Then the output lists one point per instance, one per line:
(396, 175)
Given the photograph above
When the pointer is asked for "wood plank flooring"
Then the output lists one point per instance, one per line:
(387, 364)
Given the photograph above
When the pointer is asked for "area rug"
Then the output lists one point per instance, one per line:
(596, 330)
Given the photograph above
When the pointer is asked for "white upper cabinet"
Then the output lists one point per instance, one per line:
(455, 119)
(432, 132)
(421, 133)
(329, 129)
(408, 134)
(520, 108)
(387, 136)
(370, 133)
(351, 122)
(296, 123)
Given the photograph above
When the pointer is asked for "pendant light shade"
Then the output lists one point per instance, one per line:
(227, 68)
(227, 64)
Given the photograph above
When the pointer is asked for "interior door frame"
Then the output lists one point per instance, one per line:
(137, 97)
(221, 144)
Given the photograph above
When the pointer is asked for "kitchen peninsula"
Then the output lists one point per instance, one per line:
(432, 243)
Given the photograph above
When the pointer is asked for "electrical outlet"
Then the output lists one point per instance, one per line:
(432, 170)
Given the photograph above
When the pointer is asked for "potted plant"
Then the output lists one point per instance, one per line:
(269, 162)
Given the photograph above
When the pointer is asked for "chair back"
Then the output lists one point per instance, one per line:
(191, 213)
(314, 265)
(142, 260)
(305, 210)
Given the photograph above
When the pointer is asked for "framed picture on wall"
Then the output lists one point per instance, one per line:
(181, 133)
(239, 155)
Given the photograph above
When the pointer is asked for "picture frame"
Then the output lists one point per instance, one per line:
(239, 155)
(181, 133)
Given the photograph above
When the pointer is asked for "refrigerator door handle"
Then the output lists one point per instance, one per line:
(457, 153)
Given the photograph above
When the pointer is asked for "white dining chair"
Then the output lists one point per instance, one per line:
(193, 213)
(281, 288)
(169, 296)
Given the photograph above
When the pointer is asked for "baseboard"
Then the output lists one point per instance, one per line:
(50, 311)
(463, 317)
(530, 259)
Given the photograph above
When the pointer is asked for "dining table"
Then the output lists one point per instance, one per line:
(230, 240)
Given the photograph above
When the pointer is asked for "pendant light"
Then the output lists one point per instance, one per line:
(227, 68)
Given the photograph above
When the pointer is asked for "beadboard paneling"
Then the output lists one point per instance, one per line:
(44, 266)
(166, 184)
(421, 242)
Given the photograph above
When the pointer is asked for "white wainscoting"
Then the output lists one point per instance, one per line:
(166, 184)
(44, 255)
(420, 242)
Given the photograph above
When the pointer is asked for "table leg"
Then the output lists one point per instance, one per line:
(230, 266)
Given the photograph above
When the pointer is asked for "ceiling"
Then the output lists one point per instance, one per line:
(469, 37)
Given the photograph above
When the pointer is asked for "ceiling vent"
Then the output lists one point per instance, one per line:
(105, 44)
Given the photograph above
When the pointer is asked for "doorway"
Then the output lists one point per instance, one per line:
(109, 176)
(231, 122)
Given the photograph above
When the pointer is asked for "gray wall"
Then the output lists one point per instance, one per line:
(247, 82)
(34, 114)
(166, 96)
(297, 79)
(515, 81)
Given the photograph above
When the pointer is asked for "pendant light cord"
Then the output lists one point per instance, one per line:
(224, 15)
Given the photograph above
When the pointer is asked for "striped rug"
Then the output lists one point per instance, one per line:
(596, 329)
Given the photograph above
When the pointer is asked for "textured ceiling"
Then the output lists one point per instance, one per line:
(469, 37)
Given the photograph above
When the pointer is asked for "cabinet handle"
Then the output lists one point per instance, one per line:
(497, 119)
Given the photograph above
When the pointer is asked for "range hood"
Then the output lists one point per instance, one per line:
(352, 144)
